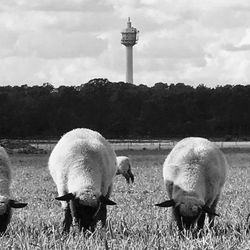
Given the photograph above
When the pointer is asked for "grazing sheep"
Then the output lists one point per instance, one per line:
(83, 166)
(124, 168)
(5, 202)
(194, 173)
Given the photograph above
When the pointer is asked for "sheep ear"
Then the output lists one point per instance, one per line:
(168, 203)
(16, 204)
(66, 197)
(208, 210)
(106, 201)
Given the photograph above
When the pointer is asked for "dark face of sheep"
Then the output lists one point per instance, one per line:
(129, 176)
(86, 216)
(186, 220)
(6, 215)
(5, 219)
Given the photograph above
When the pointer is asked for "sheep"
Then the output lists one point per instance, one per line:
(83, 165)
(194, 173)
(124, 168)
(6, 203)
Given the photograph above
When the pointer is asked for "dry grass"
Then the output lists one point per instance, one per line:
(135, 223)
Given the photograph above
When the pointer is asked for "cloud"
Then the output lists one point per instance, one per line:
(231, 47)
(59, 45)
(72, 41)
(56, 5)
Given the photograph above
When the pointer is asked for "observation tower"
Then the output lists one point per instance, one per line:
(129, 39)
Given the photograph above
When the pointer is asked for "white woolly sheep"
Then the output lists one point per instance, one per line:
(124, 168)
(6, 203)
(194, 173)
(83, 165)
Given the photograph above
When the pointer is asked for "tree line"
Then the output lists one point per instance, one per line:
(123, 110)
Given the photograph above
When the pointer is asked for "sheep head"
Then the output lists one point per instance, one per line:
(187, 213)
(5, 211)
(128, 176)
(191, 210)
(85, 210)
(6, 203)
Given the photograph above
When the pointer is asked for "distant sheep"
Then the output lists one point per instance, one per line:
(83, 166)
(5, 202)
(124, 168)
(194, 173)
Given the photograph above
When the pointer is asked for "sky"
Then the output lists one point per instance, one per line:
(69, 42)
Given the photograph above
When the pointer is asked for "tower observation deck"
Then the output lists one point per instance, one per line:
(129, 39)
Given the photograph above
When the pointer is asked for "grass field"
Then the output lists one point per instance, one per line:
(135, 223)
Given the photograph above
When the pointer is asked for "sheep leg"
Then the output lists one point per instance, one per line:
(211, 217)
(102, 214)
(170, 218)
(177, 217)
(67, 219)
(201, 221)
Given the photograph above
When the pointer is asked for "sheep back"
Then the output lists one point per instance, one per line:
(5, 173)
(83, 160)
(195, 167)
(122, 159)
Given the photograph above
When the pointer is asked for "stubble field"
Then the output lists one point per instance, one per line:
(135, 223)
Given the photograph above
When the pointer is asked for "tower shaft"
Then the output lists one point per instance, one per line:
(129, 67)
